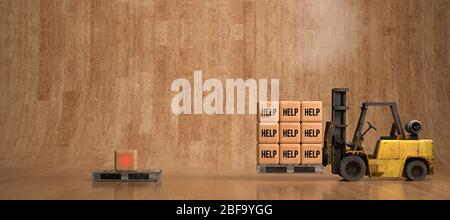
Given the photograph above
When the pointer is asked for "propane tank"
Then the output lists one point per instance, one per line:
(413, 127)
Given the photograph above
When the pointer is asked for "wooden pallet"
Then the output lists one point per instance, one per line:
(289, 168)
(149, 175)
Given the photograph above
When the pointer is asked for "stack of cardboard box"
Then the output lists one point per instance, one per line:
(290, 132)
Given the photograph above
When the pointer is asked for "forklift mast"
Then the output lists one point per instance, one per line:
(335, 132)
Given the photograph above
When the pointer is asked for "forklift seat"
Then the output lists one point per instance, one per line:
(388, 138)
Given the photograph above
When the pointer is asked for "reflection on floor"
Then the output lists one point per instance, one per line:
(67, 184)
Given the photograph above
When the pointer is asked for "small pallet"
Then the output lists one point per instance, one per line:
(126, 176)
(289, 168)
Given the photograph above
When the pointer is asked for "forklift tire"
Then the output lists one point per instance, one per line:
(352, 168)
(416, 170)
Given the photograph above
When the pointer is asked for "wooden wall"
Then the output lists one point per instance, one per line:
(79, 78)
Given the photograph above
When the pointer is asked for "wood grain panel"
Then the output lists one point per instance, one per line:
(81, 78)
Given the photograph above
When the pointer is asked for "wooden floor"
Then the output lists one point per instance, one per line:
(76, 184)
(80, 78)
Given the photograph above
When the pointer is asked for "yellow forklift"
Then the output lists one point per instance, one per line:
(396, 155)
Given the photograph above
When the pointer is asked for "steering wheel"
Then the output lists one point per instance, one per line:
(371, 126)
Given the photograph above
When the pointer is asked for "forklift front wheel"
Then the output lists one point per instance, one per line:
(352, 168)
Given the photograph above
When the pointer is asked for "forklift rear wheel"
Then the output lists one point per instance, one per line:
(416, 170)
(352, 168)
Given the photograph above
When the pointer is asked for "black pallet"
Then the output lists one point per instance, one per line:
(289, 168)
(126, 176)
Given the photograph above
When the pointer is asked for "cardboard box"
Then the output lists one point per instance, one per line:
(290, 111)
(290, 154)
(268, 133)
(311, 153)
(311, 111)
(268, 154)
(268, 112)
(290, 133)
(311, 133)
(125, 160)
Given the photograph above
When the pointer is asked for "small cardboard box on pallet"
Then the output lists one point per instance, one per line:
(311, 133)
(125, 170)
(268, 133)
(311, 111)
(125, 160)
(290, 111)
(268, 154)
(311, 154)
(290, 154)
(268, 111)
(290, 133)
